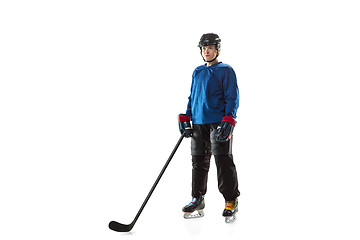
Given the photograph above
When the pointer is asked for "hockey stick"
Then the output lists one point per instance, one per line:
(116, 226)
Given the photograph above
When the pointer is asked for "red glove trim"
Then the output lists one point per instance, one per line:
(230, 120)
(183, 118)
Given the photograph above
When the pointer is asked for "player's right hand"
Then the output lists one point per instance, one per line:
(185, 125)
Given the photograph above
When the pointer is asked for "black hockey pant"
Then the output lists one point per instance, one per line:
(203, 145)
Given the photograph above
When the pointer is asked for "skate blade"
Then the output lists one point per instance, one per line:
(195, 214)
(230, 219)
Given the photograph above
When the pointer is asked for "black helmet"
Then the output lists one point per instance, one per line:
(210, 39)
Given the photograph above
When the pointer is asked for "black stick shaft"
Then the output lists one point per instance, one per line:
(158, 178)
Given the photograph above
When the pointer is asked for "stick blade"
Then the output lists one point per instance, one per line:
(118, 227)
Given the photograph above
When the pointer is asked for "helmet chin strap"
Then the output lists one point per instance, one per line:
(217, 54)
(213, 59)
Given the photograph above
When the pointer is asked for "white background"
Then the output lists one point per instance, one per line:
(89, 95)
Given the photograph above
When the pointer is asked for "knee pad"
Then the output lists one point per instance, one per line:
(201, 162)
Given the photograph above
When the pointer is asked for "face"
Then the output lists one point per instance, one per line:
(209, 52)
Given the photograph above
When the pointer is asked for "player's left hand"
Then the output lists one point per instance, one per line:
(225, 129)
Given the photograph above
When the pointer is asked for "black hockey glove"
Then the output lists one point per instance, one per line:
(185, 125)
(225, 129)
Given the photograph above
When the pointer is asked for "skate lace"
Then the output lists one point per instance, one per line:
(192, 202)
(230, 205)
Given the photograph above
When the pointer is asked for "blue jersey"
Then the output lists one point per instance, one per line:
(214, 94)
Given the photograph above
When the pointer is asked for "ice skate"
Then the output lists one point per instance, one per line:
(230, 211)
(195, 209)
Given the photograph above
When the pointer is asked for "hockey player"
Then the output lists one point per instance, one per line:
(212, 107)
